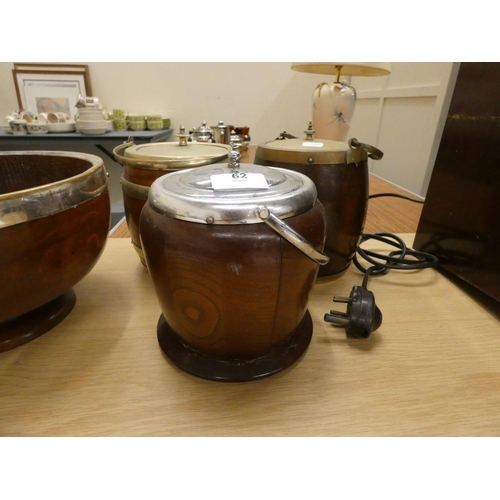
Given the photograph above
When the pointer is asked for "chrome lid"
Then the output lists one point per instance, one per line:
(232, 193)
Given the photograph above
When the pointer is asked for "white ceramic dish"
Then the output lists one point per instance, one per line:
(61, 128)
(94, 131)
(19, 127)
(36, 128)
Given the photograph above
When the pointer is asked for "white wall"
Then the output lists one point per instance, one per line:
(403, 115)
(398, 113)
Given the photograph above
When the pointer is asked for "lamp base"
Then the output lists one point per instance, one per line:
(333, 108)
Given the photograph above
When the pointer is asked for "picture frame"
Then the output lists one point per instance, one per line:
(45, 88)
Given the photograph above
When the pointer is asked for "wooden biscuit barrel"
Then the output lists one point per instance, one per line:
(233, 268)
(339, 171)
(144, 163)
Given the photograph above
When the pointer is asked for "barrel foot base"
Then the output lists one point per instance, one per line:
(234, 370)
(140, 253)
(31, 325)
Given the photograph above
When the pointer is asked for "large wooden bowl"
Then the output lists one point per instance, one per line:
(54, 224)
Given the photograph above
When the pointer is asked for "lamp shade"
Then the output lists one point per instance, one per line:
(346, 68)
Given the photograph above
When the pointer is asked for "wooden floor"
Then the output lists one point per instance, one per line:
(121, 231)
(386, 214)
(390, 214)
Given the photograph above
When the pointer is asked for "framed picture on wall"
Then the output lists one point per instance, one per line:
(45, 88)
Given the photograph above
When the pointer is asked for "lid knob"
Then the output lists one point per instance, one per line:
(234, 157)
(309, 132)
(183, 137)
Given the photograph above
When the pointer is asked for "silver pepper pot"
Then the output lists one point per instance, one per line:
(222, 133)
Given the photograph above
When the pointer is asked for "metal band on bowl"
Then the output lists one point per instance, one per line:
(35, 203)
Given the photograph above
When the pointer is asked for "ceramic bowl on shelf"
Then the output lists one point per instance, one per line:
(19, 126)
(94, 131)
(54, 223)
(37, 128)
(61, 128)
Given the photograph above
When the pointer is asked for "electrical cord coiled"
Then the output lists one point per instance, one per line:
(397, 259)
(363, 315)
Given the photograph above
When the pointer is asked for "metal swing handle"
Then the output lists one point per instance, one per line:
(292, 236)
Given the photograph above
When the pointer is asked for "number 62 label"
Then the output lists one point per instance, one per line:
(239, 180)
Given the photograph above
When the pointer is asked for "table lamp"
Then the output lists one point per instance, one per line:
(333, 104)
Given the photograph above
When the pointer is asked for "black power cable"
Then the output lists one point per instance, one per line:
(396, 195)
(397, 259)
(363, 316)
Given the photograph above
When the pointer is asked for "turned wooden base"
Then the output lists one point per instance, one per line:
(234, 370)
(37, 322)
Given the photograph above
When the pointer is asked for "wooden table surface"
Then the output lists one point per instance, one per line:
(433, 367)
